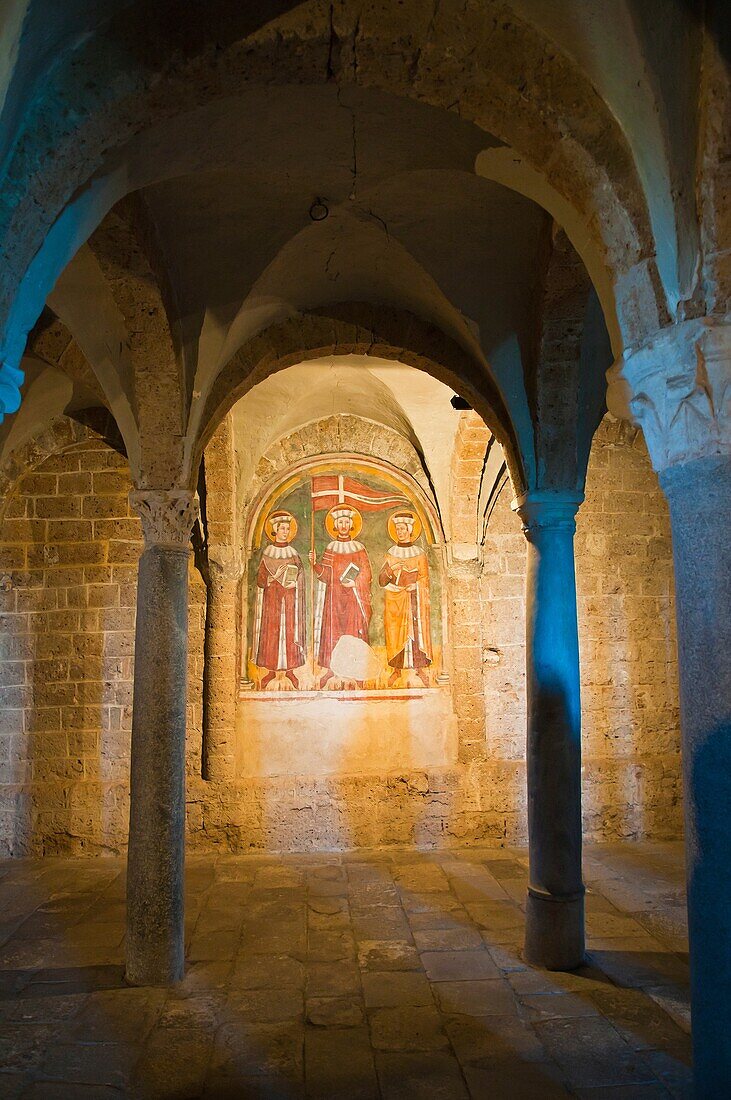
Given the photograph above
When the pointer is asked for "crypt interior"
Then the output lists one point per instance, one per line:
(365, 685)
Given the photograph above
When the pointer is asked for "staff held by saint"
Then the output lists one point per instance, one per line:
(343, 601)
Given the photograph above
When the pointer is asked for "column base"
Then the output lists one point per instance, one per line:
(554, 931)
(154, 972)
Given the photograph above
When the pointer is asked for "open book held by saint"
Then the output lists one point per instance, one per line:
(279, 622)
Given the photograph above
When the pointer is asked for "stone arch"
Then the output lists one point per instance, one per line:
(52, 343)
(62, 432)
(345, 432)
(478, 475)
(571, 359)
(360, 329)
(143, 298)
(715, 119)
(549, 113)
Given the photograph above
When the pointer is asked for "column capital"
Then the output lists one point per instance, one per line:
(167, 516)
(548, 508)
(677, 388)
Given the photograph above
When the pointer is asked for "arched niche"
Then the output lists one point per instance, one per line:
(339, 679)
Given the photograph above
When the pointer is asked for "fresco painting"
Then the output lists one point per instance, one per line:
(404, 577)
(279, 609)
(345, 587)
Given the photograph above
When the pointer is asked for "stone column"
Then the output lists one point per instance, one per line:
(155, 908)
(677, 389)
(699, 494)
(220, 679)
(554, 927)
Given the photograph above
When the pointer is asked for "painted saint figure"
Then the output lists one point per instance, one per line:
(279, 622)
(404, 577)
(343, 601)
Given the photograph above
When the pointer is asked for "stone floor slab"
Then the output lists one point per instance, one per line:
(407, 1029)
(590, 1052)
(456, 938)
(174, 1063)
(431, 1076)
(340, 1012)
(516, 1080)
(494, 1039)
(458, 966)
(396, 989)
(490, 997)
(339, 1065)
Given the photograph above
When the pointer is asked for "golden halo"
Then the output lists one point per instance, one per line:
(357, 521)
(279, 514)
(415, 531)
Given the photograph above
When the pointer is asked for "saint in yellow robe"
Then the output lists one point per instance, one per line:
(404, 577)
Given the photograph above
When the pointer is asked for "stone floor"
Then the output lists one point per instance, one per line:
(374, 974)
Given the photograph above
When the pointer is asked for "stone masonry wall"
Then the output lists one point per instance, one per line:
(630, 719)
(67, 598)
(68, 581)
(68, 561)
(466, 612)
(631, 740)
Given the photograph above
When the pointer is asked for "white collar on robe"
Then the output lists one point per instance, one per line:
(349, 547)
(280, 552)
(412, 551)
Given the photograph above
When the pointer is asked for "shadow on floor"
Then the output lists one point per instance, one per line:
(390, 974)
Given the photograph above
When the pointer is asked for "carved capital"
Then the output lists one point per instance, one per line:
(541, 509)
(677, 388)
(167, 516)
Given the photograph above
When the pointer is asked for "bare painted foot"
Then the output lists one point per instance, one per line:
(394, 677)
(328, 676)
(292, 679)
(266, 680)
(423, 676)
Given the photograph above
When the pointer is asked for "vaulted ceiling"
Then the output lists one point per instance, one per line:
(286, 164)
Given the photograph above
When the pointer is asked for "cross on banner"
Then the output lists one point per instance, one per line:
(329, 490)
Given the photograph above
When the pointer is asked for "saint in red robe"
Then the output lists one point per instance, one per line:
(279, 621)
(340, 609)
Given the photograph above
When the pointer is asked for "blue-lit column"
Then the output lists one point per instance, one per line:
(677, 388)
(554, 931)
(699, 494)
